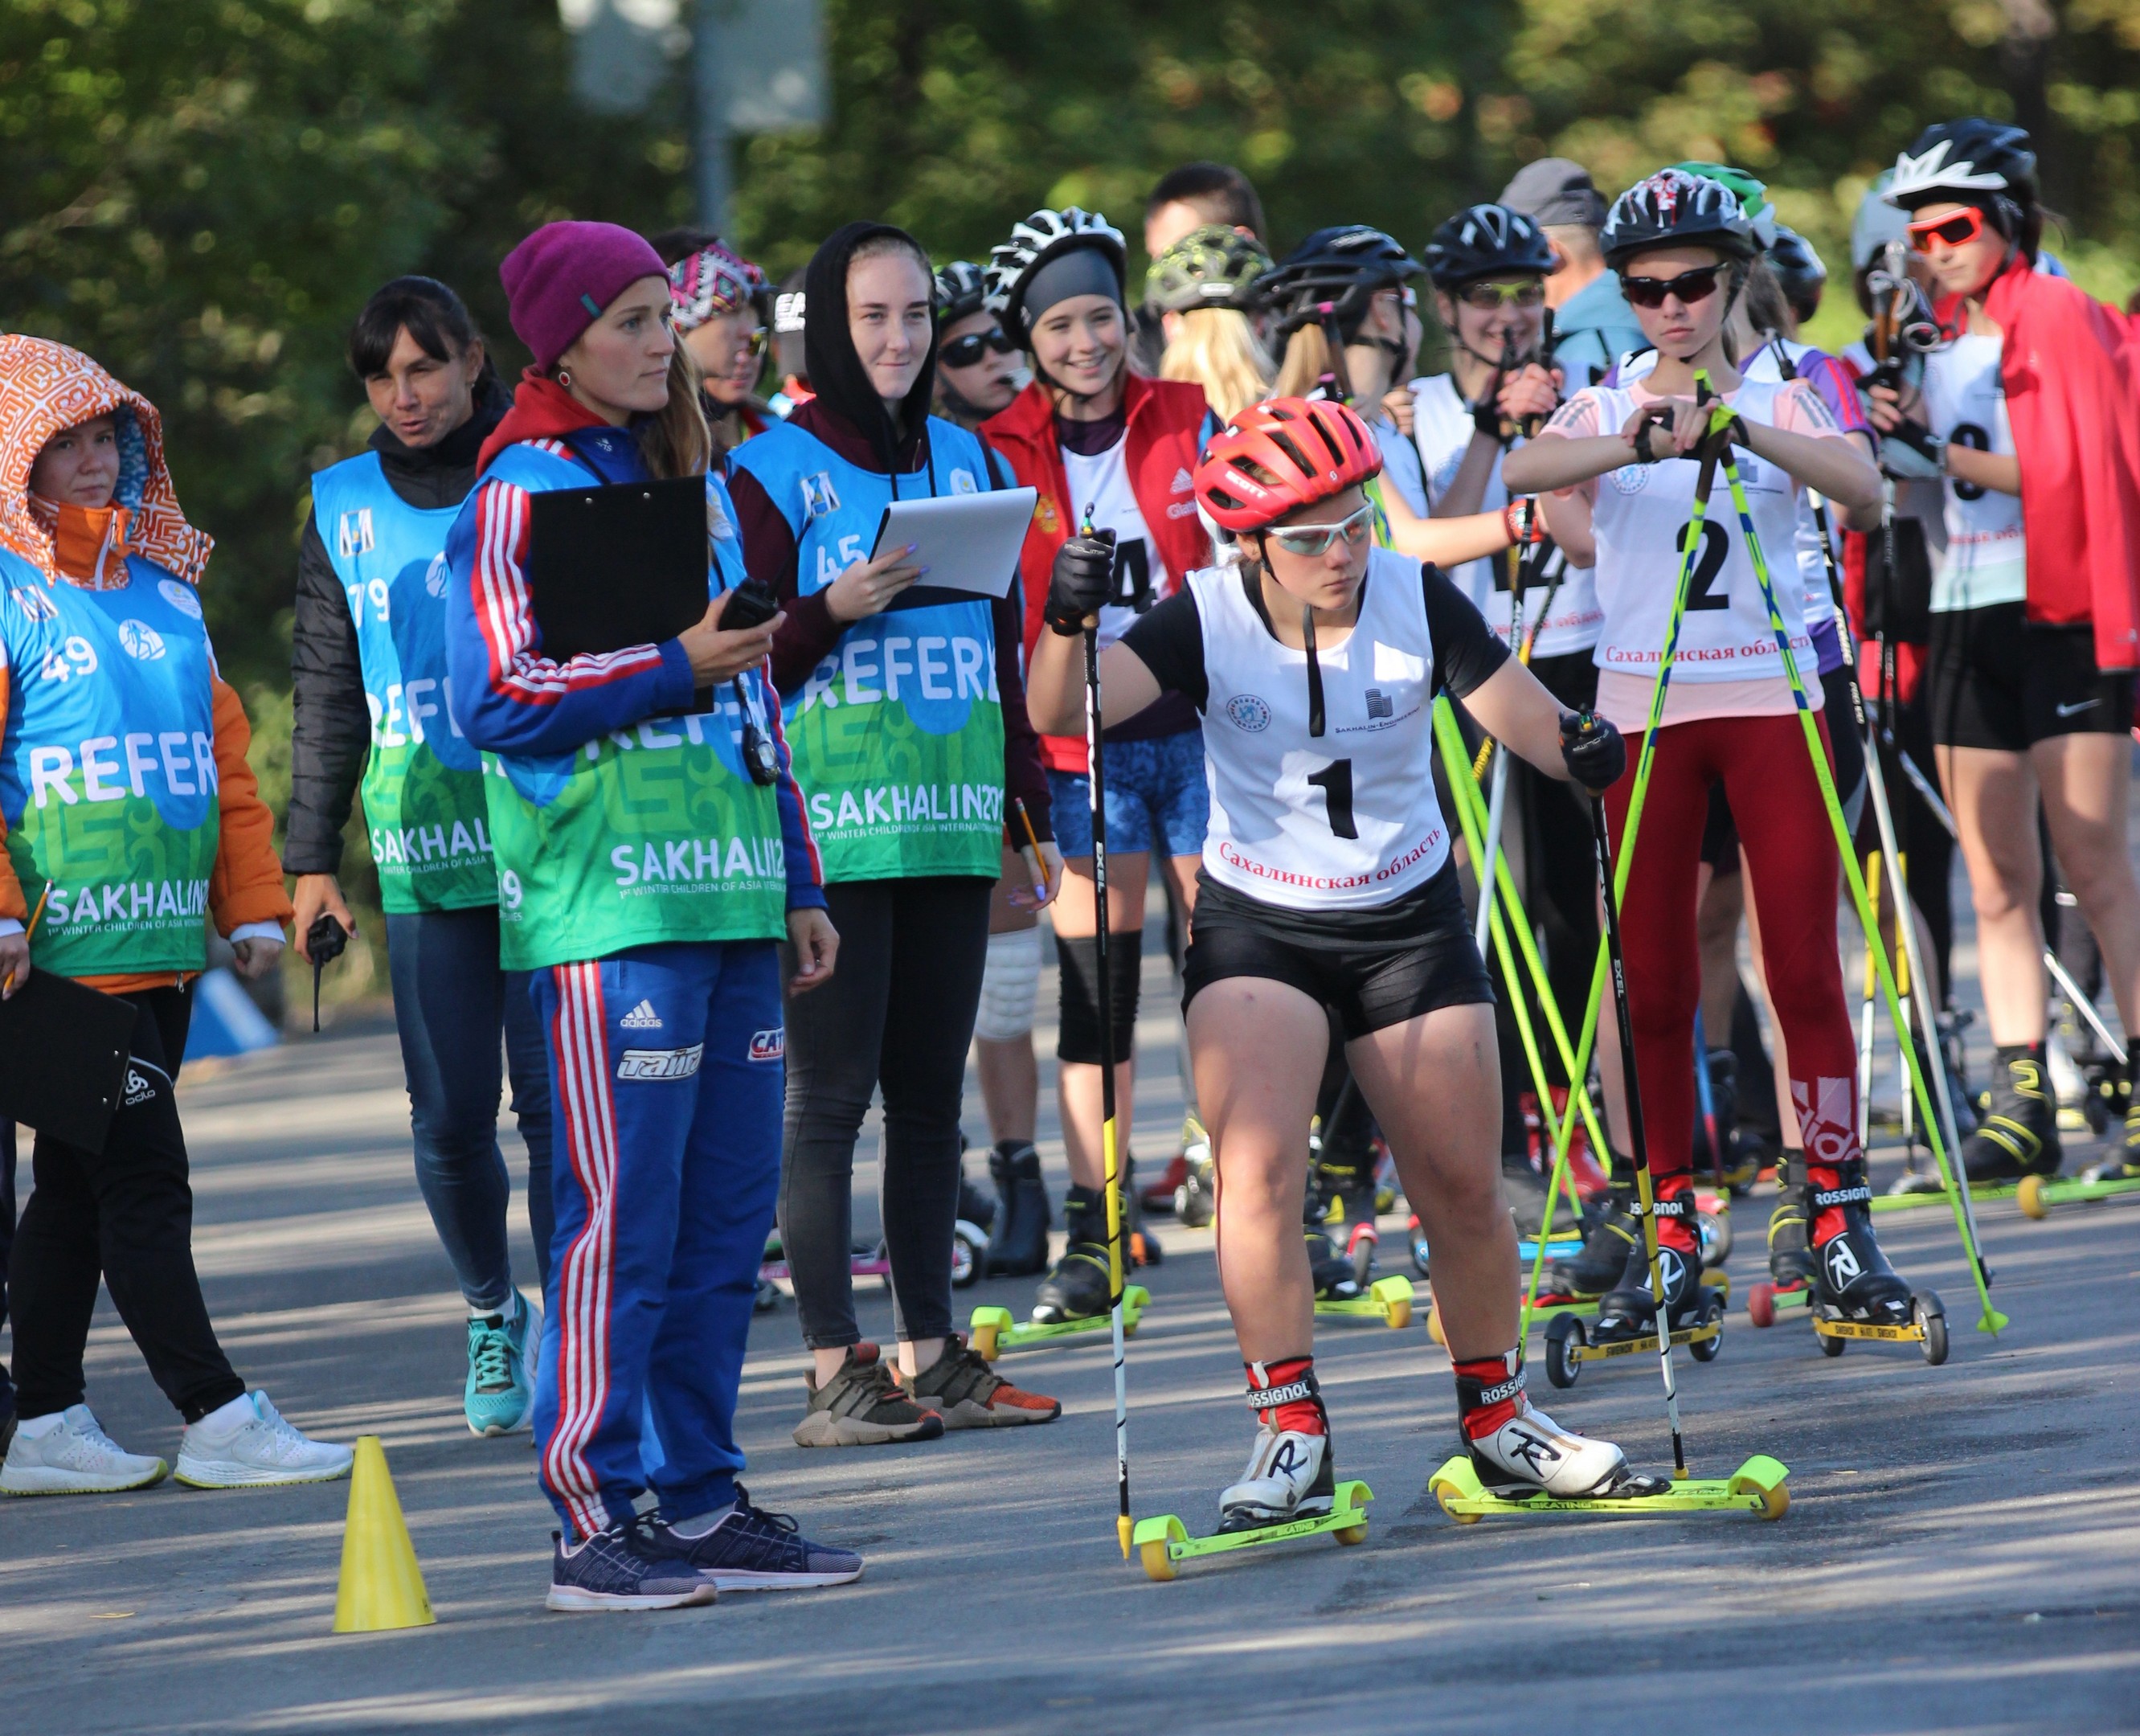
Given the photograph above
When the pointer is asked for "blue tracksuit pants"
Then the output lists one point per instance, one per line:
(665, 1068)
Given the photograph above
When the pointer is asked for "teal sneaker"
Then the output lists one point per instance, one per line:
(500, 1393)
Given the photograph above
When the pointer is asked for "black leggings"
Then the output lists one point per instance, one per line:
(126, 1213)
(898, 1013)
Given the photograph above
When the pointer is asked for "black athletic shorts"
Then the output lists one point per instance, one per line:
(1999, 681)
(1846, 764)
(1372, 968)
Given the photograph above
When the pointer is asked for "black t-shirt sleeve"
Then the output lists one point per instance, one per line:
(1466, 651)
(1168, 640)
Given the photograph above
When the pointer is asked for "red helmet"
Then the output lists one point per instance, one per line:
(1276, 457)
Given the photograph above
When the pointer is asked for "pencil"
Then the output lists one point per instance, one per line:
(1030, 849)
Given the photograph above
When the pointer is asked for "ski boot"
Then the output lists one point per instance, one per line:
(1343, 1202)
(1740, 1165)
(2019, 1136)
(2123, 1164)
(1522, 1192)
(975, 1207)
(1197, 1197)
(1604, 1256)
(1791, 1227)
(1518, 1449)
(1078, 1285)
(1851, 1278)
(1629, 1309)
(1290, 1473)
(1018, 1238)
(1336, 1279)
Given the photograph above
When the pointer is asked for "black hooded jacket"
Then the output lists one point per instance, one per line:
(331, 727)
(847, 415)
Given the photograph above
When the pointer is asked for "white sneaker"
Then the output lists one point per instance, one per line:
(261, 1450)
(77, 1457)
(1532, 1451)
(1290, 1477)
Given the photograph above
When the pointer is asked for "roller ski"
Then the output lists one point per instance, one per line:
(1289, 1489)
(1075, 1297)
(1626, 1322)
(1848, 1286)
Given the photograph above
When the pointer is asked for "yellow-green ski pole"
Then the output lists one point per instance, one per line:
(1645, 1196)
(1705, 480)
(1471, 818)
(1991, 1319)
(1095, 787)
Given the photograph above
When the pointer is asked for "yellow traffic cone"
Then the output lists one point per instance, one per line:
(381, 1587)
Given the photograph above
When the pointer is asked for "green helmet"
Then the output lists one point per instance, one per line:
(1210, 267)
(1753, 195)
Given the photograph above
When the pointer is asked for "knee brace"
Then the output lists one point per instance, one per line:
(1007, 984)
(1077, 1035)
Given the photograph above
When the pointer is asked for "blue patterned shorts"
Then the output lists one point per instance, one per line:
(1157, 799)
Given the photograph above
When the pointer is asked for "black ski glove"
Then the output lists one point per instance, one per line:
(1594, 752)
(1084, 572)
(1486, 413)
(1652, 438)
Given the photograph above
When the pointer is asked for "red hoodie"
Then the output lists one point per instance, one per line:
(1164, 426)
(542, 410)
(2068, 364)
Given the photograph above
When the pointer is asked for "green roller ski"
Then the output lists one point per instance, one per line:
(1761, 1487)
(992, 1331)
(2038, 1193)
(1928, 1326)
(1163, 1541)
(1542, 1312)
(1978, 1192)
(1388, 1299)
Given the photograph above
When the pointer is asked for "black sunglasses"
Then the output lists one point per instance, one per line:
(1689, 286)
(966, 352)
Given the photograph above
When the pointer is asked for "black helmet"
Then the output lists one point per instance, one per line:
(1486, 241)
(1332, 276)
(1673, 206)
(1970, 162)
(1213, 266)
(1799, 271)
(960, 291)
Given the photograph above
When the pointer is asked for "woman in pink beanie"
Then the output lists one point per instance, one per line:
(663, 1014)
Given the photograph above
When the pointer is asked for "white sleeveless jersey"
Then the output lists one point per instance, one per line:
(1987, 554)
(1641, 516)
(1441, 429)
(1100, 485)
(1347, 820)
(1819, 604)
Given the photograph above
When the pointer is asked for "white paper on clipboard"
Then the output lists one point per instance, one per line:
(968, 542)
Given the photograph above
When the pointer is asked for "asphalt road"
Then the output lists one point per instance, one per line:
(1962, 1552)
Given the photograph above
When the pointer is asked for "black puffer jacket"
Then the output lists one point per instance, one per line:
(331, 729)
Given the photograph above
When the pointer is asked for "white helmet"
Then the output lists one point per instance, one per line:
(1036, 239)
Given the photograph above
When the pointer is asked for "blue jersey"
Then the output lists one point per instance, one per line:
(424, 804)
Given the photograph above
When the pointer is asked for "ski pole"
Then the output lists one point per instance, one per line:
(1646, 1205)
(1697, 520)
(1096, 779)
(2082, 1003)
(1992, 1320)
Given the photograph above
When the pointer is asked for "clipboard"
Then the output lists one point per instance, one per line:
(619, 565)
(63, 1051)
(968, 542)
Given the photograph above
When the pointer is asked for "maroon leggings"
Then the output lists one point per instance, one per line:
(1769, 778)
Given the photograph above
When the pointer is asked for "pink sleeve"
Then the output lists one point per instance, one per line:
(1578, 419)
(1800, 409)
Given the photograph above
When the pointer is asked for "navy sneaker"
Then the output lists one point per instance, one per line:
(632, 1565)
(752, 1550)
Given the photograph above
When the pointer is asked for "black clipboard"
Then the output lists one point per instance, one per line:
(619, 565)
(63, 1051)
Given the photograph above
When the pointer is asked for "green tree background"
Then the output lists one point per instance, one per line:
(201, 192)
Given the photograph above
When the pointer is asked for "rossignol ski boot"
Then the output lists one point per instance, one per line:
(1290, 1474)
(1630, 1308)
(1851, 1278)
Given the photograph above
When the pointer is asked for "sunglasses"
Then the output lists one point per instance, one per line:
(966, 352)
(1491, 298)
(1958, 230)
(1689, 286)
(1311, 540)
(753, 346)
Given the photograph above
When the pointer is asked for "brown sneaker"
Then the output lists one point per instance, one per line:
(863, 1406)
(969, 1394)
